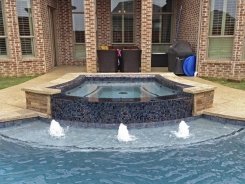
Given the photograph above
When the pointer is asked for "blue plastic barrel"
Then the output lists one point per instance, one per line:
(189, 66)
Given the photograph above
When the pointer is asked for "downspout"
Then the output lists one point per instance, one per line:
(199, 36)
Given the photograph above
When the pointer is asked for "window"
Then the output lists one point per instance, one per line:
(222, 27)
(24, 11)
(161, 25)
(122, 21)
(3, 37)
(78, 29)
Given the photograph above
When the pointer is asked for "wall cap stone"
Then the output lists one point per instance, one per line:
(42, 90)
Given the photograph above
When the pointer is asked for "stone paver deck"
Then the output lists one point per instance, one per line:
(228, 102)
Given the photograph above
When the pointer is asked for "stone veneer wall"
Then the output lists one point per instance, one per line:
(202, 101)
(229, 69)
(189, 21)
(38, 102)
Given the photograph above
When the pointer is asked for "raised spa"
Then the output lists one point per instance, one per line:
(127, 99)
(119, 89)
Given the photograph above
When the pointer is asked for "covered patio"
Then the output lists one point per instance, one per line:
(150, 25)
(40, 35)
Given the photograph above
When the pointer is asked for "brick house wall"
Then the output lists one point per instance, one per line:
(189, 21)
(103, 22)
(229, 69)
(46, 30)
(16, 65)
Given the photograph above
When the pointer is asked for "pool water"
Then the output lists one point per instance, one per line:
(211, 155)
(120, 89)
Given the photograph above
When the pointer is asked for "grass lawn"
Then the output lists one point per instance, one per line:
(6, 82)
(231, 84)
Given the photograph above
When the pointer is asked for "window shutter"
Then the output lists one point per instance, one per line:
(25, 23)
(223, 17)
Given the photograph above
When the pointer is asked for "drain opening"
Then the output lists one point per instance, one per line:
(122, 93)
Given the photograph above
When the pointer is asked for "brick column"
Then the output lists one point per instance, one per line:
(90, 35)
(239, 31)
(146, 35)
(203, 38)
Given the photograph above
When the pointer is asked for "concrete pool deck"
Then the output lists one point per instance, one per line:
(228, 102)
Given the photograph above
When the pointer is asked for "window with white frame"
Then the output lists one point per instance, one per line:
(161, 24)
(78, 29)
(222, 28)
(24, 12)
(3, 37)
(122, 21)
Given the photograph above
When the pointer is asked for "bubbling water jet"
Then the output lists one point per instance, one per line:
(55, 130)
(123, 134)
(183, 131)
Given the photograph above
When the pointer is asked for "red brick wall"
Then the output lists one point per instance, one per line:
(15, 64)
(46, 30)
(90, 38)
(229, 69)
(8, 66)
(146, 35)
(103, 22)
(65, 40)
(65, 44)
(189, 21)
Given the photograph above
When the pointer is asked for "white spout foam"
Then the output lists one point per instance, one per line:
(55, 130)
(123, 134)
(183, 131)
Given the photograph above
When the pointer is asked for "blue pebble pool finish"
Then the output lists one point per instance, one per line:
(214, 153)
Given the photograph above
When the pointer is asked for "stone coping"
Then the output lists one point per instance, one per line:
(225, 116)
(42, 90)
(45, 88)
(196, 86)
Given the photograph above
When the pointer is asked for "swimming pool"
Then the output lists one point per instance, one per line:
(214, 153)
